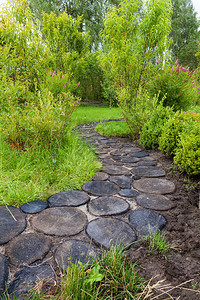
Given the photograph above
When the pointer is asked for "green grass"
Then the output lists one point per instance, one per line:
(31, 175)
(158, 242)
(113, 129)
(85, 114)
(112, 277)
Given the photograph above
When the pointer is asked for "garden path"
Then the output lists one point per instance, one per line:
(119, 205)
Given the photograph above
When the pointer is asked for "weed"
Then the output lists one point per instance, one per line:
(112, 277)
(158, 242)
(172, 169)
(190, 185)
(194, 285)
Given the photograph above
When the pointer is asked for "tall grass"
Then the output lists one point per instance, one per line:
(31, 174)
(112, 277)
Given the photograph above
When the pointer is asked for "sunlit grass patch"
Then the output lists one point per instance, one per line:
(119, 128)
(85, 114)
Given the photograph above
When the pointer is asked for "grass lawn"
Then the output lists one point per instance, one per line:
(94, 114)
(113, 129)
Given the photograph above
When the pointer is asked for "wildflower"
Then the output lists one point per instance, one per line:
(198, 88)
(53, 73)
(176, 62)
(39, 80)
(183, 69)
(169, 73)
(172, 68)
(157, 62)
(79, 83)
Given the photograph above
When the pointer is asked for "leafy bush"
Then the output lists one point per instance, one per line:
(17, 91)
(178, 84)
(136, 115)
(39, 123)
(58, 82)
(187, 154)
(171, 131)
(91, 78)
(153, 127)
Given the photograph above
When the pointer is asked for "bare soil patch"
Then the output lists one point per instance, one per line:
(180, 267)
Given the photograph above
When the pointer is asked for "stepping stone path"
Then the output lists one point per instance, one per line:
(108, 206)
(110, 231)
(34, 207)
(73, 251)
(68, 198)
(121, 204)
(146, 221)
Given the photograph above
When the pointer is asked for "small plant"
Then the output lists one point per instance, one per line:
(158, 242)
(194, 285)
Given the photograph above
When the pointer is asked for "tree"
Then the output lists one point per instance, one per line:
(133, 43)
(184, 32)
(92, 12)
(66, 42)
(22, 54)
(39, 6)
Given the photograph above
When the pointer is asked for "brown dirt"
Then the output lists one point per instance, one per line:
(181, 266)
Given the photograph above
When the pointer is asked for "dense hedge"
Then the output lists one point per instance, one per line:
(175, 134)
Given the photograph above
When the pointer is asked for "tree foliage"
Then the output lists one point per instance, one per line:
(184, 32)
(22, 52)
(66, 42)
(92, 12)
(133, 44)
(134, 40)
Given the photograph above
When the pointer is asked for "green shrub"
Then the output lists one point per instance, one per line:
(178, 84)
(171, 131)
(187, 154)
(17, 91)
(37, 124)
(152, 129)
(58, 82)
(91, 79)
(136, 114)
